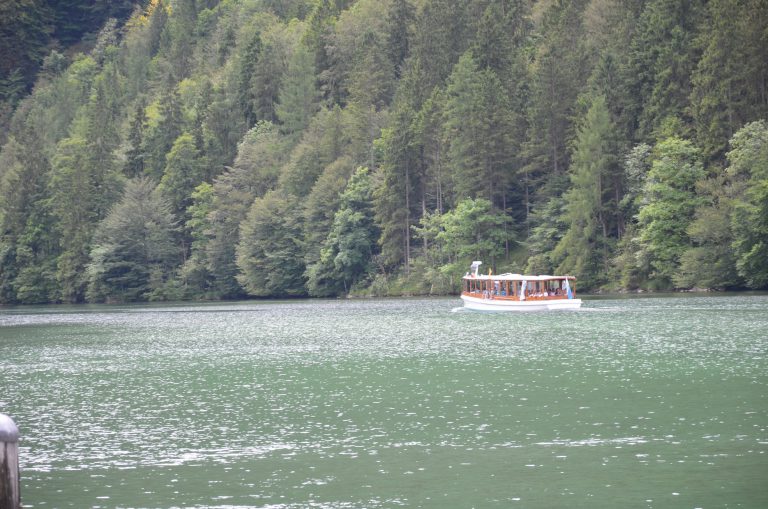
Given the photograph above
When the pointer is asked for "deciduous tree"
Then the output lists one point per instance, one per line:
(670, 203)
(132, 245)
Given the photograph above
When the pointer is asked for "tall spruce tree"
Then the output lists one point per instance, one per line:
(590, 208)
(28, 240)
(730, 82)
(298, 97)
(476, 125)
(182, 174)
(663, 56)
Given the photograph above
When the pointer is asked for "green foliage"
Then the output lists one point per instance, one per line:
(400, 19)
(345, 258)
(71, 197)
(321, 144)
(671, 202)
(133, 247)
(269, 254)
(474, 230)
(28, 243)
(491, 130)
(627, 272)
(545, 236)
(590, 208)
(728, 82)
(182, 174)
(321, 206)
(748, 159)
(260, 155)
(476, 123)
(710, 263)
(24, 34)
(440, 38)
(560, 69)
(179, 31)
(265, 81)
(161, 135)
(317, 39)
(393, 197)
(194, 274)
(223, 128)
(30, 29)
(298, 96)
(134, 164)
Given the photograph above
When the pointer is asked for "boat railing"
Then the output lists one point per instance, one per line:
(528, 297)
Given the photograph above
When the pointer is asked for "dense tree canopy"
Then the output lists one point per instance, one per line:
(133, 251)
(208, 149)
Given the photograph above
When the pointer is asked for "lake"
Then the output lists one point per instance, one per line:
(635, 402)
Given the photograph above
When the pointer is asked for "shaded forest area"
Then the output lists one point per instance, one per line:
(205, 149)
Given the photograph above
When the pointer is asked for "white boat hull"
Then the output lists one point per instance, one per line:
(481, 304)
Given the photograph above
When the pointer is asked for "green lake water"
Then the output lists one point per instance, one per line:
(638, 402)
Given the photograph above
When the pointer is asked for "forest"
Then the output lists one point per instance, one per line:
(226, 149)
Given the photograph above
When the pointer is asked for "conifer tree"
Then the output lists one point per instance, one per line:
(298, 97)
(246, 62)
(134, 164)
(159, 138)
(663, 56)
(590, 209)
(559, 71)
(28, 240)
(182, 174)
(710, 262)
(400, 19)
(395, 188)
(729, 84)
(317, 39)
(223, 128)
(265, 82)
(440, 38)
(476, 125)
(72, 193)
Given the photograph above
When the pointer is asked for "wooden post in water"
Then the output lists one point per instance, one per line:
(9, 464)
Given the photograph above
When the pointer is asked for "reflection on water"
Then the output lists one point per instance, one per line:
(412, 402)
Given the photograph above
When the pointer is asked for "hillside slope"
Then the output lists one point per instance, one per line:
(220, 149)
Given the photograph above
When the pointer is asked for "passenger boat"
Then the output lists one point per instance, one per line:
(517, 292)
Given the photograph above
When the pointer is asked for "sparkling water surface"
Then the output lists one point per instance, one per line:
(639, 402)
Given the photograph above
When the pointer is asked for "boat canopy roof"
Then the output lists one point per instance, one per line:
(519, 277)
